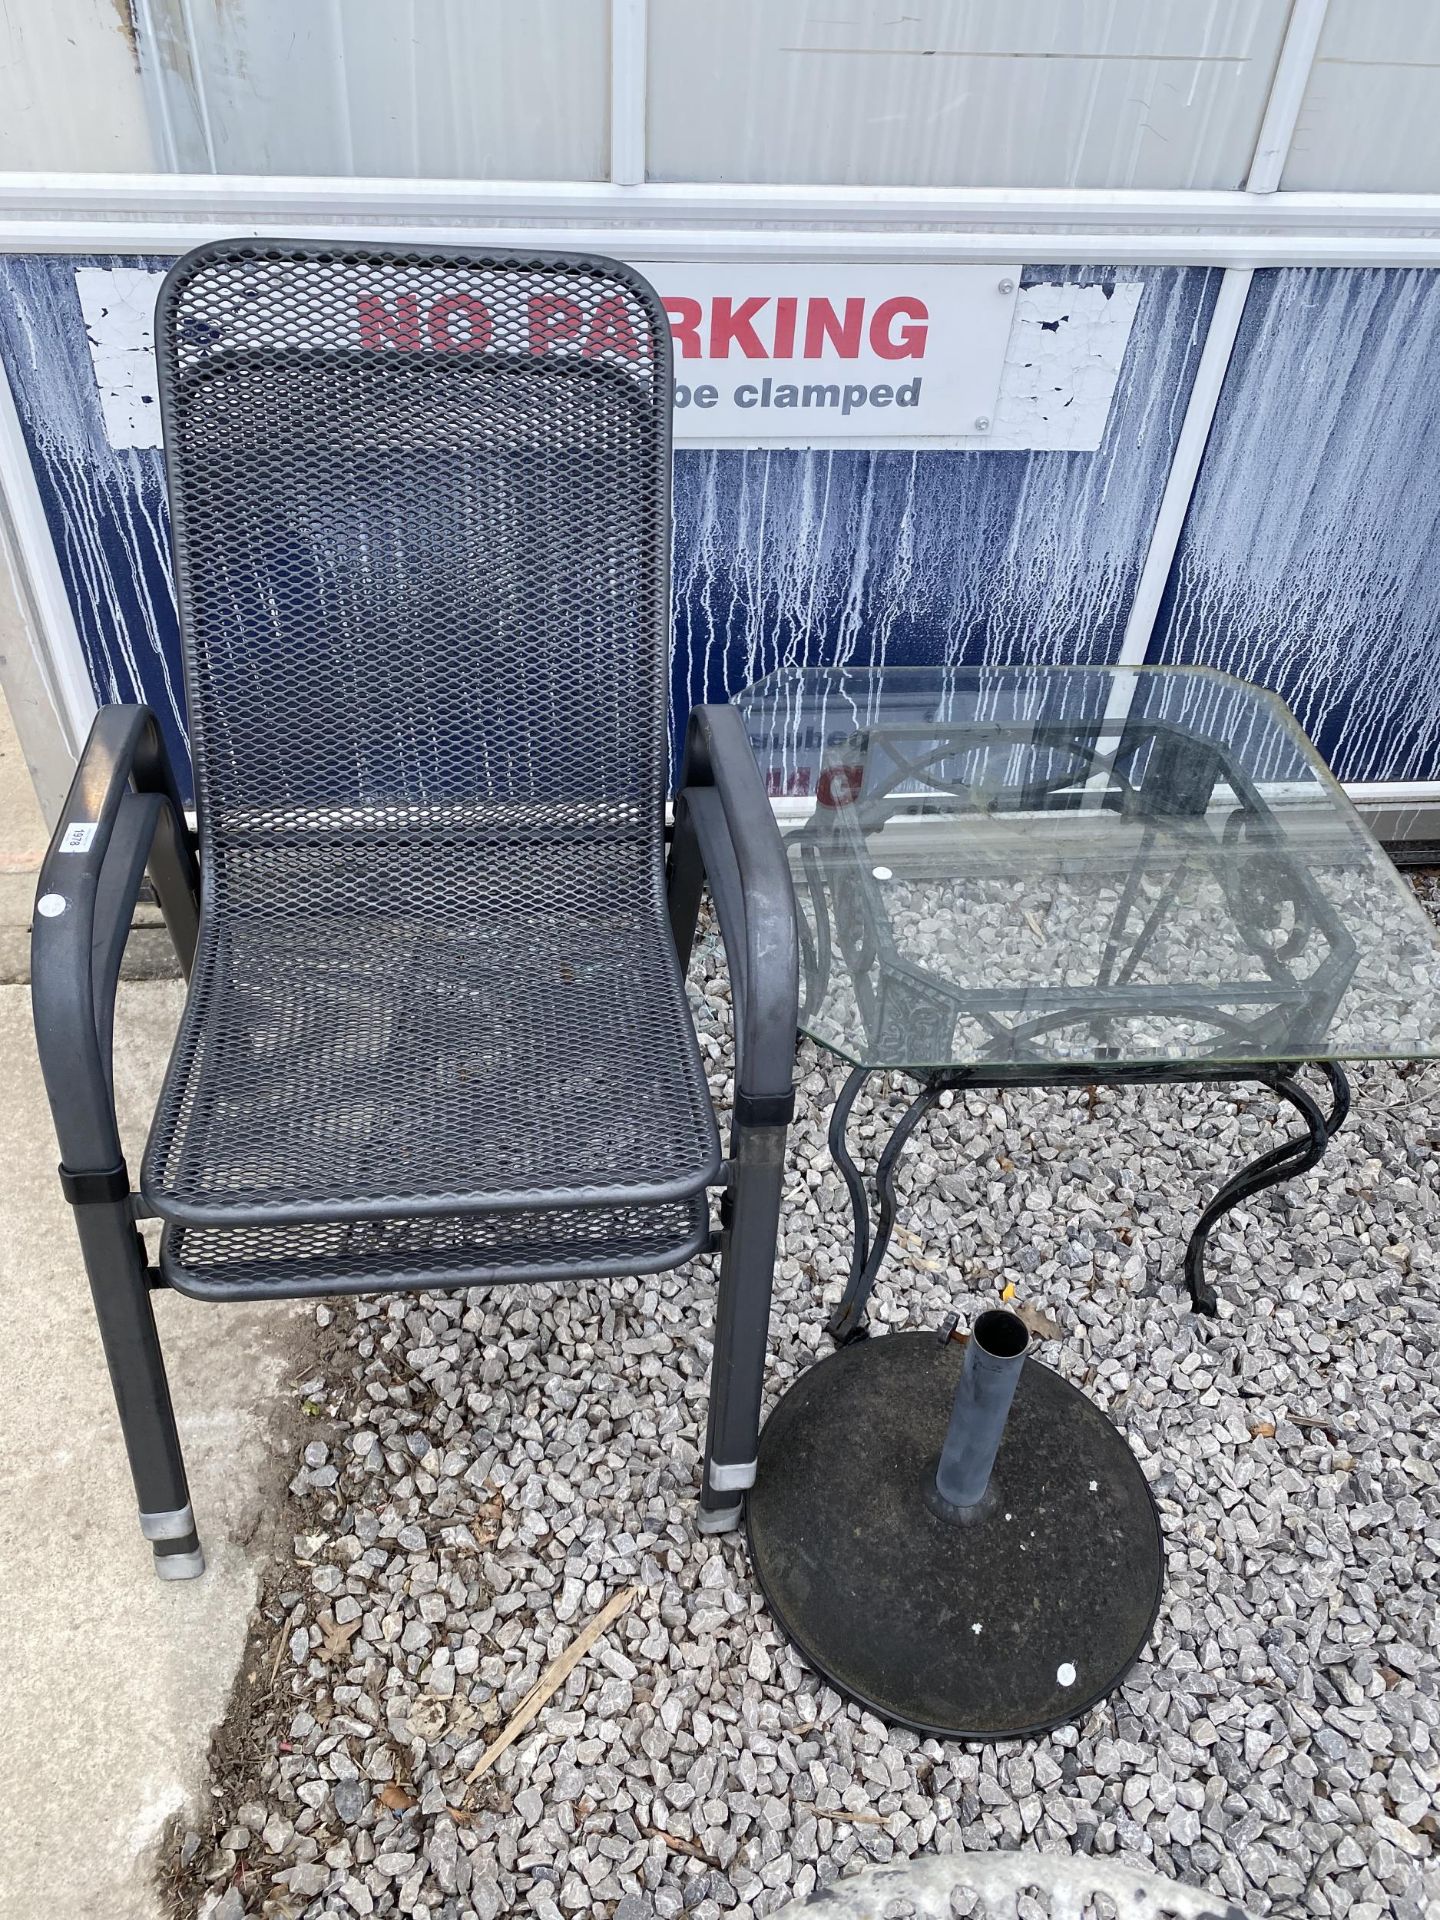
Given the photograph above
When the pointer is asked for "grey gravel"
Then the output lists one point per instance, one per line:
(498, 1465)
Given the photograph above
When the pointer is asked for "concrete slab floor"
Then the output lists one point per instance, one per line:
(22, 842)
(112, 1681)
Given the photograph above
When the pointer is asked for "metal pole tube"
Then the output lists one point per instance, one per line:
(994, 1356)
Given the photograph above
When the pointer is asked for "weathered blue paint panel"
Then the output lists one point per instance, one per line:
(1310, 560)
(930, 558)
(780, 556)
(105, 505)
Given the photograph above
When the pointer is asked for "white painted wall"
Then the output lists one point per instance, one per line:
(1012, 93)
(1157, 94)
(436, 89)
(70, 92)
(942, 93)
(1370, 121)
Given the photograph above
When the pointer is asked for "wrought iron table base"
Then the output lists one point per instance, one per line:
(1295, 1155)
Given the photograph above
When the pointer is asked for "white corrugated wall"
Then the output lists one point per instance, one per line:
(945, 93)
(71, 97)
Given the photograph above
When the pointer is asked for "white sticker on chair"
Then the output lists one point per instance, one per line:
(79, 836)
(50, 905)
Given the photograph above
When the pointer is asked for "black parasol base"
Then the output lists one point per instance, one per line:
(984, 1623)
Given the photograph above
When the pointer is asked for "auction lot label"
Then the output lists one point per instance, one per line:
(802, 356)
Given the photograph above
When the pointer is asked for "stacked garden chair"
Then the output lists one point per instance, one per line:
(436, 1034)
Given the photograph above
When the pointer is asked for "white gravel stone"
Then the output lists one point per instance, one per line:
(503, 1462)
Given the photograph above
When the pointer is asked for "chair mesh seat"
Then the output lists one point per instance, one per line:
(421, 516)
(367, 1256)
(336, 1061)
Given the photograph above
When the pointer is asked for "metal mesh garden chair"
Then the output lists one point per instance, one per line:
(436, 1032)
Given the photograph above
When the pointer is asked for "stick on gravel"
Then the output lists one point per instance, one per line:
(550, 1680)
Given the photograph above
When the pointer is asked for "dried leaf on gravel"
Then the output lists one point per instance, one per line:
(1040, 1325)
(335, 1645)
(427, 1717)
(486, 1523)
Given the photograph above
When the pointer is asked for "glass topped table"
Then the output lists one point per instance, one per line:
(1019, 876)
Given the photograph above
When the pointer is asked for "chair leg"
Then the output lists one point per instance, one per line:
(115, 1264)
(751, 1215)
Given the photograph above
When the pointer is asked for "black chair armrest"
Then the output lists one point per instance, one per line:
(723, 803)
(121, 814)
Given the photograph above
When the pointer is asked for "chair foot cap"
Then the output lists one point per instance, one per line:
(180, 1566)
(719, 1519)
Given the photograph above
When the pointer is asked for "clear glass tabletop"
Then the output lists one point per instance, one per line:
(1025, 868)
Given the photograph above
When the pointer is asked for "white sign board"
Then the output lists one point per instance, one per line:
(803, 356)
(769, 355)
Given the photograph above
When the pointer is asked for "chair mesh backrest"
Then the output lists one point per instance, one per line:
(421, 525)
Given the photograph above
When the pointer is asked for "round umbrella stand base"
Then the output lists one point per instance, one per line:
(986, 1623)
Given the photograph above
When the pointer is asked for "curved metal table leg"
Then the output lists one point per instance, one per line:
(847, 1322)
(1295, 1155)
(840, 1321)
